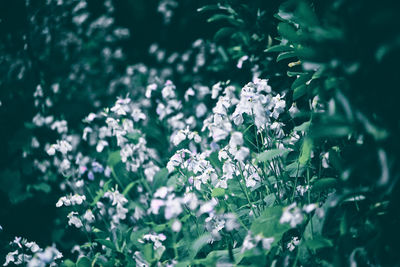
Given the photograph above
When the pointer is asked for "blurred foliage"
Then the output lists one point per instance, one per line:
(337, 56)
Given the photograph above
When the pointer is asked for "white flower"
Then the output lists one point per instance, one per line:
(51, 151)
(100, 145)
(88, 216)
(64, 146)
(74, 220)
(172, 207)
(292, 214)
(293, 243)
(162, 192)
(155, 205)
(10, 257)
(33, 246)
(241, 60)
(201, 110)
(309, 208)
(267, 242)
(176, 226)
(178, 137)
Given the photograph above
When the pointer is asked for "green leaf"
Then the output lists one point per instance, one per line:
(148, 252)
(302, 127)
(285, 55)
(220, 256)
(83, 262)
(218, 192)
(136, 235)
(288, 31)
(301, 80)
(334, 127)
(68, 263)
(269, 200)
(199, 243)
(278, 48)
(114, 158)
(210, 7)
(128, 188)
(299, 91)
(106, 243)
(318, 242)
(223, 32)
(227, 18)
(268, 224)
(305, 15)
(215, 162)
(323, 184)
(306, 149)
(160, 178)
(133, 137)
(268, 155)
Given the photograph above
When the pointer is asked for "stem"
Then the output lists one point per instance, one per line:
(243, 190)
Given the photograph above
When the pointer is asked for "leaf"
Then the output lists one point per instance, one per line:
(227, 18)
(133, 137)
(299, 91)
(268, 224)
(223, 32)
(218, 192)
(334, 127)
(285, 55)
(302, 127)
(294, 168)
(323, 184)
(210, 7)
(301, 80)
(83, 262)
(160, 178)
(106, 243)
(268, 155)
(269, 200)
(215, 162)
(305, 15)
(278, 48)
(128, 188)
(306, 149)
(148, 252)
(114, 158)
(288, 31)
(318, 242)
(68, 263)
(220, 256)
(199, 243)
(136, 235)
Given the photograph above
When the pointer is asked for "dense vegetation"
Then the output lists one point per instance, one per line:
(199, 133)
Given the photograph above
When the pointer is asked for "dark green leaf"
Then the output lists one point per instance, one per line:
(279, 48)
(285, 55)
(106, 243)
(323, 184)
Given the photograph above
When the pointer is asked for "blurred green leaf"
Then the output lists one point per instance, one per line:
(83, 262)
(268, 155)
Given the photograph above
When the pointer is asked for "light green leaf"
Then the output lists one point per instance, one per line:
(268, 224)
(83, 262)
(271, 154)
(218, 192)
(306, 149)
